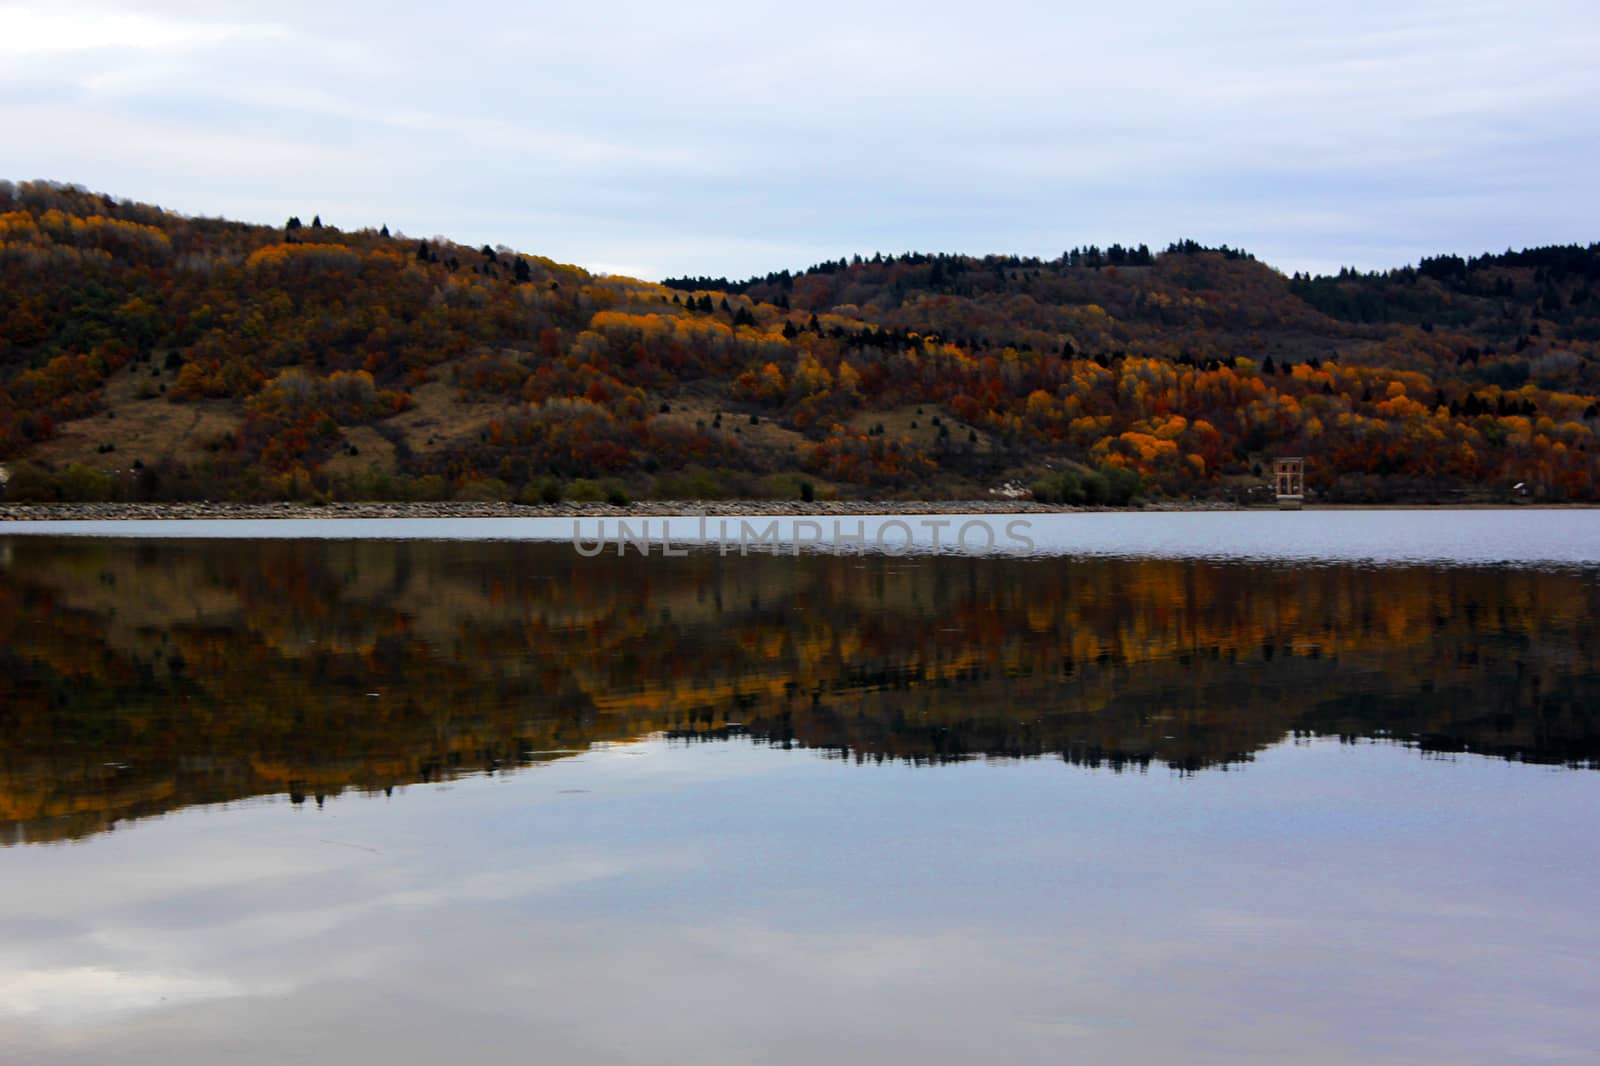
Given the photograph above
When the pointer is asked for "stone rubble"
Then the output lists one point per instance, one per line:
(102, 512)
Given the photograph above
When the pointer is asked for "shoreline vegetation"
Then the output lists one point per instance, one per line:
(104, 512)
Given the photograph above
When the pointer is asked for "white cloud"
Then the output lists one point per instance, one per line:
(726, 138)
(43, 31)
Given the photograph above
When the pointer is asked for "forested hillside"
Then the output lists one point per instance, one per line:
(149, 355)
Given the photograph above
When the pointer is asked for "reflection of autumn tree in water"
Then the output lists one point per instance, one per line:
(141, 677)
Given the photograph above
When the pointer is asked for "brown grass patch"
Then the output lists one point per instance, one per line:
(147, 428)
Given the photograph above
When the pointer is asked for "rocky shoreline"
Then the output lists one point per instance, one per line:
(104, 512)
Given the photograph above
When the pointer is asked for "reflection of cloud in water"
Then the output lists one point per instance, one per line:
(742, 904)
(84, 993)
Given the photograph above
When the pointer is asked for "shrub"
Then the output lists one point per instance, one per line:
(30, 484)
(84, 483)
(541, 490)
(585, 491)
(695, 483)
(486, 489)
(1065, 487)
(1122, 485)
(430, 487)
(1109, 485)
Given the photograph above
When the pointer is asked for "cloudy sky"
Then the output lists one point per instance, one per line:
(736, 138)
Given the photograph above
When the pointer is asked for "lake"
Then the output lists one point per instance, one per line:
(1313, 787)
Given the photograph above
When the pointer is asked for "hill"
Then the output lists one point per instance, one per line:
(149, 355)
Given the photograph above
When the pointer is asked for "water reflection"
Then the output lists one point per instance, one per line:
(138, 677)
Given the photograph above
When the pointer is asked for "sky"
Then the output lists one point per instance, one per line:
(730, 139)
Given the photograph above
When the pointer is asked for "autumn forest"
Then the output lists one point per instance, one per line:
(146, 355)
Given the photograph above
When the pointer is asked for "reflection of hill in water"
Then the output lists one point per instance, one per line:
(142, 677)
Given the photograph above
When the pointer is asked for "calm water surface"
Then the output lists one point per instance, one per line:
(1199, 788)
(1521, 536)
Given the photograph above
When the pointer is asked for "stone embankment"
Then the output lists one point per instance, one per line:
(102, 512)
